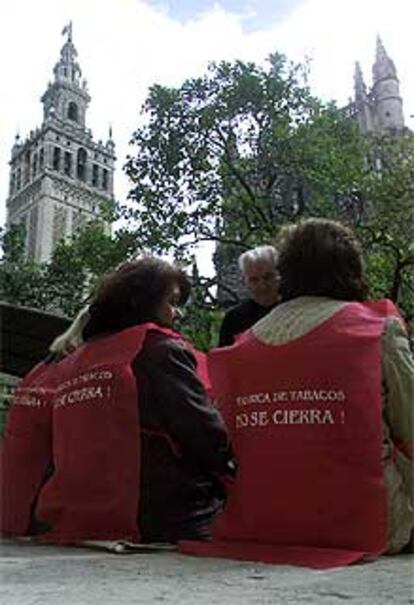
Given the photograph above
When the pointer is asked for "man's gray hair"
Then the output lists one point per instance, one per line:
(266, 253)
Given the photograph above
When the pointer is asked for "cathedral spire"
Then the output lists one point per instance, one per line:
(386, 92)
(384, 66)
(359, 84)
(67, 68)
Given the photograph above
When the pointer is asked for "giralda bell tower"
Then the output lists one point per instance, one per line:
(59, 176)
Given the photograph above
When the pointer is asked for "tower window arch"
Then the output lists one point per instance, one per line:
(95, 175)
(81, 164)
(34, 166)
(56, 158)
(68, 163)
(27, 162)
(104, 179)
(73, 112)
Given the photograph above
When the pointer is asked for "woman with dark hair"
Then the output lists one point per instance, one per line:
(138, 292)
(139, 453)
(321, 258)
(322, 389)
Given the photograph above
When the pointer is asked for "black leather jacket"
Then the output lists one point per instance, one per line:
(185, 446)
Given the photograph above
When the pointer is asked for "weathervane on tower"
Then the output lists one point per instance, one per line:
(68, 30)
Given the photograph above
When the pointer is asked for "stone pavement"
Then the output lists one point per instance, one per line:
(49, 575)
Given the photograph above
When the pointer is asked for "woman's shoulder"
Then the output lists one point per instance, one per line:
(165, 345)
(163, 338)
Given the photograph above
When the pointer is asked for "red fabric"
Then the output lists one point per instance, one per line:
(305, 421)
(26, 449)
(94, 492)
(317, 558)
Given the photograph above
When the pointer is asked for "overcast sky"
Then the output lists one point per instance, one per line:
(126, 45)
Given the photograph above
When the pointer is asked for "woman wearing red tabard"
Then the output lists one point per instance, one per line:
(318, 397)
(138, 452)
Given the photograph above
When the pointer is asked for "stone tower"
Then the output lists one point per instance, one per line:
(362, 101)
(381, 108)
(386, 91)
(59, 176)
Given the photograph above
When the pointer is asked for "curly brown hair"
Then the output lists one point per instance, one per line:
(132, 294)
(319, 257)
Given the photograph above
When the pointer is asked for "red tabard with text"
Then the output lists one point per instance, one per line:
(94, 491)
(26, 449)
(305, 422)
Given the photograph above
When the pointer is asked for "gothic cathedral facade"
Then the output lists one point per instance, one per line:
(379, 109)
(59, 176)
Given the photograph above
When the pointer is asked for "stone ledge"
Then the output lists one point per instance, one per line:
(46, 575)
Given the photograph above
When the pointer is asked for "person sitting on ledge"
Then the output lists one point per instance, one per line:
(138, 452)
(318, 397)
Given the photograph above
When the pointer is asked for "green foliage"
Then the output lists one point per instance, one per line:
(201, 318)
(201, 325)
(63, 284)
(233, 155)
(230, 156)
(387, 228)
(77, 264)
(21, 279)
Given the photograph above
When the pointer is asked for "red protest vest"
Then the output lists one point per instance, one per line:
(26, 449)
(94, 491)
(305, 423)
